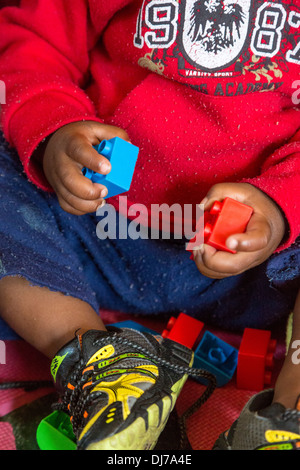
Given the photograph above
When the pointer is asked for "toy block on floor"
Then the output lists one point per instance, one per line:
(56, 433)
(183, 329)
(224, 219)
(123, 157)
(216, 356)
(255, 359)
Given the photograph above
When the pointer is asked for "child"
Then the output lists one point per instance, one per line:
(208, 91)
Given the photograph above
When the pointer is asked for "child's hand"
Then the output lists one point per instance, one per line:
(263, 235)
(69, 150)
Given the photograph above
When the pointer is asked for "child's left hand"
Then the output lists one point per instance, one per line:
(264, 233)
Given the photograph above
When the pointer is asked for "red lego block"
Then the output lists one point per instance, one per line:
(255, 360)
(184, 330)
(224, 219)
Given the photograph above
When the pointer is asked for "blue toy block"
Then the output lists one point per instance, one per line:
(123, 157)
(216, 356)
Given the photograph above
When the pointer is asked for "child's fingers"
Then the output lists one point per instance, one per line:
(220, 191)
(256, 237)
(250, 247)
(70, 179)
(82, 152)
(204, 260)
(106, 131)
(213, 263)
(75, 205)
(220, 264)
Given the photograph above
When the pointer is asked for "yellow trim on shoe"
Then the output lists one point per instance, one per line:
(136, 436)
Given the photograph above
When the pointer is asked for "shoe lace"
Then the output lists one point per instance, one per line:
(290, 414)
(76, 398)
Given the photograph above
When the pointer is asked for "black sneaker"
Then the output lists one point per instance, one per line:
(119, 387)
(263, 425)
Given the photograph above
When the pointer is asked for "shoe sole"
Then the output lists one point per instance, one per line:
(136, 436)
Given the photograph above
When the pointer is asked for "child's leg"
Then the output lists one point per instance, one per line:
(48, 248)
(271, 418)
(287, 388)
(45, 319)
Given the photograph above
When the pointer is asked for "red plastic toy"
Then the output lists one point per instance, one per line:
(184, 330)
(224, 219)
(255, 360)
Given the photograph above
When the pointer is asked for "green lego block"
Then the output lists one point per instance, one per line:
(55, 433)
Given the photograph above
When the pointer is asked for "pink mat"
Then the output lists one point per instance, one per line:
(204, 427)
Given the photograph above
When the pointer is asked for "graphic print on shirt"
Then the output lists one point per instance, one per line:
(225, 38)
(213, 34)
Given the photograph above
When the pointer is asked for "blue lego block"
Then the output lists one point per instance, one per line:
(123, 157)
(216, 356)
(135, 326)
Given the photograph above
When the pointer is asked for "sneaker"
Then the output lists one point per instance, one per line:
(263, 425)
(120, 386)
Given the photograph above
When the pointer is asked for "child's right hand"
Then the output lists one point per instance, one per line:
(68, 151)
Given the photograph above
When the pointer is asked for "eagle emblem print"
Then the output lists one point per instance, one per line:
(213, 33)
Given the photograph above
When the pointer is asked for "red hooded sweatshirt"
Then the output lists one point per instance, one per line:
(209, 90)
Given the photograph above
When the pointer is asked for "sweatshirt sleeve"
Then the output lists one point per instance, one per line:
(280, 180)
(44, 62)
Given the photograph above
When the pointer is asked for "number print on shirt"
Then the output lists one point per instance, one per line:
(162, 21)
(212, 34)
(294, 55)
(266, 37)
